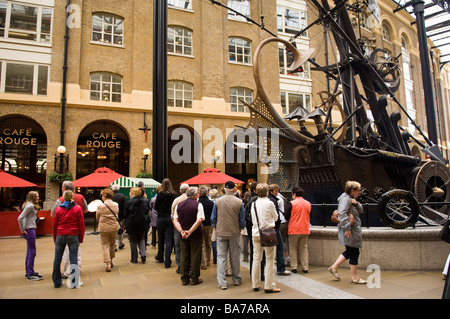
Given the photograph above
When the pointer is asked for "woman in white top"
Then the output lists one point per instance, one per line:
(267, 215)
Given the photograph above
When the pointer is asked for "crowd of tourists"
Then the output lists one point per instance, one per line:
(196, 228)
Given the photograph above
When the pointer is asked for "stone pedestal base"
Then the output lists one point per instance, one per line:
(390, 249)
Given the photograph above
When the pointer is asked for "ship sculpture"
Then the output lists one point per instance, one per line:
(399, 188)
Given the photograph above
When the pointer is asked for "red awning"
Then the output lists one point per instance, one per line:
(211, 176)
(8, 180)
(101, 177)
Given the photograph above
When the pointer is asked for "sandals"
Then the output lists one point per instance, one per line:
(334, 273)
(359, 281)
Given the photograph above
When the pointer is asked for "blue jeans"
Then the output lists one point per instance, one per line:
(165, 240)
(60, 244)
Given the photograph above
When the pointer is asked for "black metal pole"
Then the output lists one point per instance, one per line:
(64, 88)
(160, 131)
(426, 74)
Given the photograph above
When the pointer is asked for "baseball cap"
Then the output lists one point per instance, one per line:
(230, 185)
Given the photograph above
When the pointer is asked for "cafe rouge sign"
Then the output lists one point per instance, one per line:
(22, 136)
(103, 140)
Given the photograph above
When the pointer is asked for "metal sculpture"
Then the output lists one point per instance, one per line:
(373, 152)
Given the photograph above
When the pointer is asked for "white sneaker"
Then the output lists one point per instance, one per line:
(34, 277)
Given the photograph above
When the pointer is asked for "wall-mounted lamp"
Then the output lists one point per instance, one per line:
(216, 157)
(62, 158)
(145, 158)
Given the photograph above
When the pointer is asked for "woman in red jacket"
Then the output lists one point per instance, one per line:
(68, 229)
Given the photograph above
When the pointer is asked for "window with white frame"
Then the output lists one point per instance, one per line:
(180, 94)
(290, 101)
(24, 78)
(107, 29)
(239, 50)
(386, 32)
(291, 21)
(241, 6)
(285, 60)
(106, 86)
(404, 44)
(237, 94)
(363, 20)
(179, 40)
(183, 4)
(25, 22)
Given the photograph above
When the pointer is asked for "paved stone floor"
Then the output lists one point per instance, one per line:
(152, 280)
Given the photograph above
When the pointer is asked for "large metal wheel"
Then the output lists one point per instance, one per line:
(398, 208)
(432, 185)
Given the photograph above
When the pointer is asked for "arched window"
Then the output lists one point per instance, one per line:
(386, 30)
(180, 94)
(107, 29)
(241, 6)
(23, 147)
(106, 86)
(239, 50)
(405, 45)
(179, 40)
(103, 144)
(183, 4)
(363, 20)
(23, 153)
(237, 94)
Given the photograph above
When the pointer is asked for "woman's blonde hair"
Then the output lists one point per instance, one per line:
(351, 185)
(135, 192)
(213, 193)
(107, 192)
(31, 198)
(68, 196)
(262, 189)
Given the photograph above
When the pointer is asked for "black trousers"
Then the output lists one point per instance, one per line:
(352, 254)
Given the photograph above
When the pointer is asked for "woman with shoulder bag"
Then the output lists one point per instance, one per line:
(136, 212)
(264, 215)
(350, 235)
(108, 225)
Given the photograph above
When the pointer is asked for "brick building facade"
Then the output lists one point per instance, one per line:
(109, 80)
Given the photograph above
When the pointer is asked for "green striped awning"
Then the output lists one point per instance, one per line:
(128, 182)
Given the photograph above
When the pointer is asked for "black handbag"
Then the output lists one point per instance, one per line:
(267, 236)
(120, 231)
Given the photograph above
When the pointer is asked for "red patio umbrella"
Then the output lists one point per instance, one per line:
(8, 180)
(211, 176)
(101, 177)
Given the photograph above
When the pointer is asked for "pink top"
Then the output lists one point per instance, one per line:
(300, 217)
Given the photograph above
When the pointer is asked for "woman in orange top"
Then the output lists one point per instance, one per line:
(298, 230)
